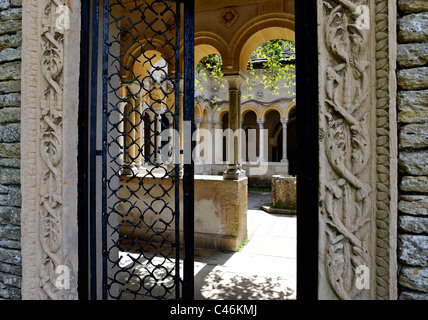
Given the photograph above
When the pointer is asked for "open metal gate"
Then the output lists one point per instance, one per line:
(141, 185)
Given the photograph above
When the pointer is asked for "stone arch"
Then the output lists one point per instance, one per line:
(207, 43)
(267, 109)
(247, 108)
(256, 32)
(206, 113)
(134, 57)
(198, 110)
(219, 114)
(288, 109)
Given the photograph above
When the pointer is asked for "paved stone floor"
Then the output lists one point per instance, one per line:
(265, 269)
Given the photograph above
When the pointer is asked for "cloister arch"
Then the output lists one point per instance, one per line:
(198, 110)
(256, 32)
(207, 43)
(250, 108)
(136, 58)
(265, 110)
(290, 107)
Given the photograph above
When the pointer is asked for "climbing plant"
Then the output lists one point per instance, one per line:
(276, 58)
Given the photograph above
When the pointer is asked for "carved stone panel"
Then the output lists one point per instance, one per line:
(51, 50)
(357, 202)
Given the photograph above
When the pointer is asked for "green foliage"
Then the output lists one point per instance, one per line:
(277, 58)
(213, 64)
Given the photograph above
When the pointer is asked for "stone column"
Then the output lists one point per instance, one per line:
(152, 136)
(171, 139)
(261, 140)
(129, 136)
(197, 155)
(218, 141)
(158, 138)
(235, 79)
(139, 129)
(284, 140)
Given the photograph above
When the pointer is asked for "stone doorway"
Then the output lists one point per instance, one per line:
(374, 67)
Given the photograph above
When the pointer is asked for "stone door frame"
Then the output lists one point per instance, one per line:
(49, 172)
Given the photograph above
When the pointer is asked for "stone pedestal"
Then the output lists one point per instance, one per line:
(284, 191)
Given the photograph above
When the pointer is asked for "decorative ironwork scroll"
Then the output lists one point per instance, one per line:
(141, 112)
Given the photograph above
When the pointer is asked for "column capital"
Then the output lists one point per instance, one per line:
(217, 124)
(261, 122)
(235, 78)
(198, 121)
(284, 122)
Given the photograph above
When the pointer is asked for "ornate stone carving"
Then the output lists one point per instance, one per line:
(50, 79)
(229, 17)
(356, 197)
(386, 146)
(50, 211)
(346, 190)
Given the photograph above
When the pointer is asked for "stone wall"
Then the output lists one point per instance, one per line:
(412, 100)
(10, 113)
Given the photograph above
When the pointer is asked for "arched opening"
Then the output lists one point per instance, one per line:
(274, 127)
(250, 127)
(225, 125)
(292, 142)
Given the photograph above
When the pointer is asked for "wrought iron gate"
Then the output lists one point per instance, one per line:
(141, 242)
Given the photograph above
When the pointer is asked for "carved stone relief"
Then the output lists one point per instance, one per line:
(49, 264)
(349, 192)
(229, 17)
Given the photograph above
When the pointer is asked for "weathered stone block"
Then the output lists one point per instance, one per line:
(284, 191)
(413, 79)
(15, 197)
(4, 4)
(414, 163)
(11, 14)
(10, 71)
(413, 204)
(10, 100)
(10, 176)
(4, 291)
(10, 26)
(16, 3)
(413, 28)
(10, 233)
(11, 40)
(412, 224)
(8, 115)
(413, 106)
(412, 54)
(414, 278)
(10, 216)
(10, 256)
(410, 295)
(12, 132)
(10, 86)
(413, 250)
(10, 54)
(414, 184)
(10, 163)
(412, 6)
(414, 136)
